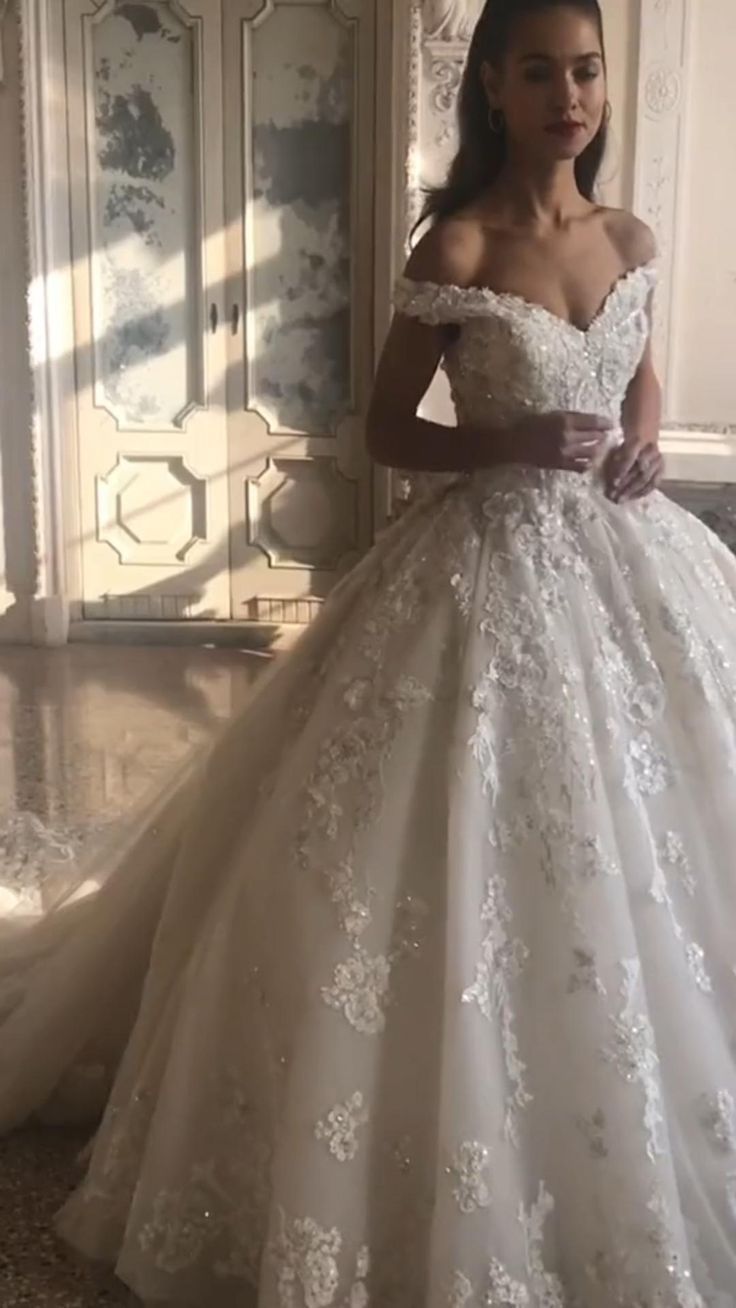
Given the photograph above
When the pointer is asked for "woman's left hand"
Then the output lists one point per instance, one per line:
(633, 470)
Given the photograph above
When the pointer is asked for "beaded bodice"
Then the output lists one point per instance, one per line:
(512, 356)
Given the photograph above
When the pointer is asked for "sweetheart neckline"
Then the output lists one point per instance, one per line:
(511, 297)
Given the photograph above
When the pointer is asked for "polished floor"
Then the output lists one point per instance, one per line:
(86, 733)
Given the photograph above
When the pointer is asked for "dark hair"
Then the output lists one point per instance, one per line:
(482, 152)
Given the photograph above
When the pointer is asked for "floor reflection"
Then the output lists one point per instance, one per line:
(89, 729)
(85, 733)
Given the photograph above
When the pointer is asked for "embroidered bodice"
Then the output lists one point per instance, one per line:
(512, 356)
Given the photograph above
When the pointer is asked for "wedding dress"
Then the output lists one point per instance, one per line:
(420, 990)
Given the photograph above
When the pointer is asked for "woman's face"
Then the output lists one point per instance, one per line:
(551, 87)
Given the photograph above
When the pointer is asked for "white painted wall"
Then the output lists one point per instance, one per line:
(704, 290)
(621, 31)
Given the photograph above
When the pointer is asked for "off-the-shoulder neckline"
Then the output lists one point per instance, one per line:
(485, 293)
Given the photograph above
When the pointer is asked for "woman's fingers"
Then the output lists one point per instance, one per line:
(620, 465)
(642, 478)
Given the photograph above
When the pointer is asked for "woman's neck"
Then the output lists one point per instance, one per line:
(539, 197)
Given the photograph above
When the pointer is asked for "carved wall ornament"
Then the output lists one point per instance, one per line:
(450, 20)
(446, 70)
(663, 63)
(412, 167)
(3, 14)
(662, 90)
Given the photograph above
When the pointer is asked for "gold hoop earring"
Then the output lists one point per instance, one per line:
(496, 121)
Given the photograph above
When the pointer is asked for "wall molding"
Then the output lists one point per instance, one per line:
(699, 454)
(450, 20)
(412, 143)
(43, 614)
(665, 26)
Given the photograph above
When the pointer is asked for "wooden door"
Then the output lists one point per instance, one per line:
(299, 149)
(146, 150)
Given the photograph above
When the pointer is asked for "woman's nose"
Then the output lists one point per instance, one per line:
(565, 93)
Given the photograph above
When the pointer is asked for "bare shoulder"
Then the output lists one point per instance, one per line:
(450, 253)
(634, 241)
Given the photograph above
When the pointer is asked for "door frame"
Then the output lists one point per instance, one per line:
(53, 521)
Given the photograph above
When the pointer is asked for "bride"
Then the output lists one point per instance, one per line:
(420, 990)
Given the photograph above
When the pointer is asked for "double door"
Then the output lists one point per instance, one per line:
(221, 166)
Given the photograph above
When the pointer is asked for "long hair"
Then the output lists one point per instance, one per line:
(482, 153)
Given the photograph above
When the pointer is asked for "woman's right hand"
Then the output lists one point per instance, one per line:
(574, 442)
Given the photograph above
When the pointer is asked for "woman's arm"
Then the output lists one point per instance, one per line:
(635, 468)
(396, 436)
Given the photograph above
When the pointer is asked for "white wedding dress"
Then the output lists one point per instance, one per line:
(420, 991)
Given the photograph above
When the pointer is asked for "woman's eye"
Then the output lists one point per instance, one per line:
(587, 74)
(536, 75)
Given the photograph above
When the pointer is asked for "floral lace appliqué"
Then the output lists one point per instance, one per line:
(305, 1259)
(360, 990)
(718, 1114)
(634, 1055)
(340, 1127)
(503, 958)
(469, 1165)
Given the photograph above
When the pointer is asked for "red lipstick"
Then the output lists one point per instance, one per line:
(564, 128)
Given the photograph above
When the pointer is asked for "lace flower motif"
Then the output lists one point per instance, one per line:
(340, 1127)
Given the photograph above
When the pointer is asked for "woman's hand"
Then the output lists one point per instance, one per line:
(571, 441)
(633, 470)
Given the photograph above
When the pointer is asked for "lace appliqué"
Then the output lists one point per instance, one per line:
(718, 1115)
(34, 857)
(666, 1284)
(584, 975)
(470, 1162)
(221, 1213)
(501, 1290)
(344, 793)
(351, 899)
(670, 852)
(662, 1243)
(360, 991)
(634, 1056)
(461, 1291)
(358, 1296)
(593, 1130)
(648, 771)
(305, 1256)
(340, 1127)
(503, 958)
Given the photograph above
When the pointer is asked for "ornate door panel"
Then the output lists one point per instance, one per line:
(299, 140)
(146, 146)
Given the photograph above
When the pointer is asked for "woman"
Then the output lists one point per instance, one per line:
(421, 994)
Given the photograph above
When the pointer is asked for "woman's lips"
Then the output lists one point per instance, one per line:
(565, 129)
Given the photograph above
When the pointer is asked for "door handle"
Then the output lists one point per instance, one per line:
(213, 316)
(235, 319)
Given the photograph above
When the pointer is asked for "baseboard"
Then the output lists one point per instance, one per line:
(255, 636)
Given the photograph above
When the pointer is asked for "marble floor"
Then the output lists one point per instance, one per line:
(86, 732)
